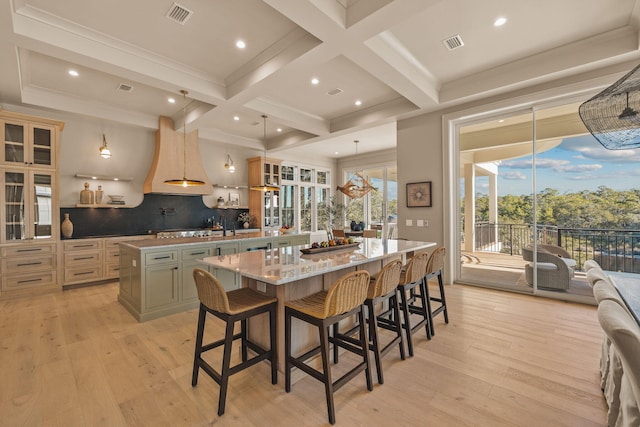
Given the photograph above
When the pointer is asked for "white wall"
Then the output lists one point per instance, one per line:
(419, 159)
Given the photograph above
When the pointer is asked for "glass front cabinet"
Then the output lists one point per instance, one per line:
(265, 205)
(28, 144)
(28, 205)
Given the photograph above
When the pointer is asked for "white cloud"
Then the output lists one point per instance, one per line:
(514, 176)
(580, 168)
(554, 164)
(589, 148)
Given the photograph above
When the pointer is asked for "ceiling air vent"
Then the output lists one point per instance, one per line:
(125, 87)
(453, 42)
(179, 14)
(335, 91)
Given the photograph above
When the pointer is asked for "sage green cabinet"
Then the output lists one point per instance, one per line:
(229, 279)
(157, 279)
(189, 257)
(161, 285)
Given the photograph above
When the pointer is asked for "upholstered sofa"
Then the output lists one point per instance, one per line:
(555, 267)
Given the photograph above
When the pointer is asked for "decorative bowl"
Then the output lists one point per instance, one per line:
(116, 197)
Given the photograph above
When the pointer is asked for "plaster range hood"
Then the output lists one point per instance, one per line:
(168, 162)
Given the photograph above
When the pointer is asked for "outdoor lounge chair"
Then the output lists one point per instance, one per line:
(555, 267)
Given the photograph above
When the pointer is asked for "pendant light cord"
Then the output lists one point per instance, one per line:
(184, 134)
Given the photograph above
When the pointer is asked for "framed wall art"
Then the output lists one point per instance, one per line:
(234, 199)
(419, 194)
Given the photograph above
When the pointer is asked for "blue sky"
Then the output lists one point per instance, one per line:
(578, 163)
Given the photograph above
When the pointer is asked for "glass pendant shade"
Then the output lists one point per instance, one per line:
(105, 153)
(229, 165)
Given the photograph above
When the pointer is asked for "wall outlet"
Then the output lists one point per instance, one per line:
(261, 286)
(133, 262)
(419, 223)
(425, 223)
(408, 222)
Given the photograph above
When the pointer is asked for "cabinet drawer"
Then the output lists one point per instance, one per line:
(26, 250)
(113, 270)
(160, 257)
(281, 242)
(73, 259)
(196, 253)
(31, 280)
(21, 265)
(81, 245)
(82, 274)
(113, 255)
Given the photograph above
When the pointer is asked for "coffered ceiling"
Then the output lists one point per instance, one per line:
(388, 54)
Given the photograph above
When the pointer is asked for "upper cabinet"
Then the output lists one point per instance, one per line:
(265, 205)
(28, 172)
(28, 141)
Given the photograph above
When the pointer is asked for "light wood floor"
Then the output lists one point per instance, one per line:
(77, 358)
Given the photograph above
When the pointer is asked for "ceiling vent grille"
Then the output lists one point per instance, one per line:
(125, 87)
(179, 14)
(453, 42)
(335, 91)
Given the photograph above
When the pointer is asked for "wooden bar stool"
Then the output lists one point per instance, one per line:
(323, 309)
(232, 306)
(413, 280)
(382, 289)
(435, 265)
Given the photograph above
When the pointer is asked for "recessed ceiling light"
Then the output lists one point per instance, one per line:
(358, 102)
(337, 152)
(315, 81)
(171, 100)
(279, 129)
(501, 121)
(240, 44)
(236, 118)
(500, 22)
(73, 73)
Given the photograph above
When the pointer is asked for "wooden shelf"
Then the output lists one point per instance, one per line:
(104, 177)
(103, 205)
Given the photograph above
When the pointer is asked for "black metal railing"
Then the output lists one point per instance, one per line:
(615, 250)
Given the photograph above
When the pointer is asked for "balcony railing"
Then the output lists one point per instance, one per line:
(615, 250)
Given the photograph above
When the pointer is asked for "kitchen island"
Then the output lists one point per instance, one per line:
(288, 274)
(156, 275)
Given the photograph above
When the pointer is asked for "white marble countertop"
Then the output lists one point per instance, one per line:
(282, 265)
(152, 242)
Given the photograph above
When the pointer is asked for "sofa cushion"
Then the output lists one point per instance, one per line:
(545, 266)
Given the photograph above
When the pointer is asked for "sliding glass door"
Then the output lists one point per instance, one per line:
(535, 203)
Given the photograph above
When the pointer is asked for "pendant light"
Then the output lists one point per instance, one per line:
(356, 186)
(184, 182)
(264, 187)
(229, 165)
(105, 153)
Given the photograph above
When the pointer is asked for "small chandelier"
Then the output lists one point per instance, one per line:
(105, 153)
(229, 165)
(184, 182)
(356, 186)
(264, 187)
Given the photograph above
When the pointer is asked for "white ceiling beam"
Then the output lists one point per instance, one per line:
(95, 50)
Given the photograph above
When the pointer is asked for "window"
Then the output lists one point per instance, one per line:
(305, 192)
